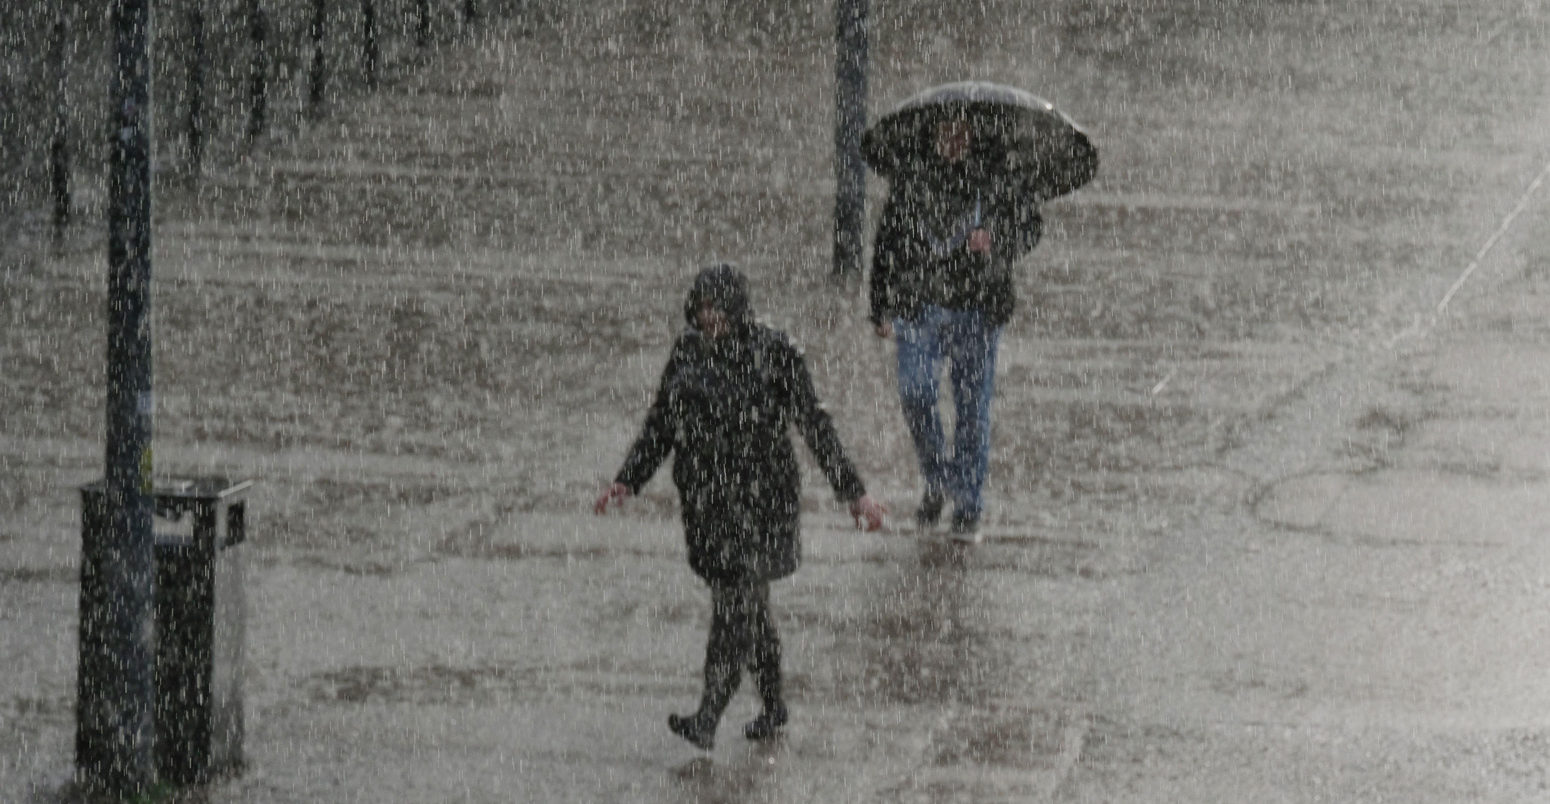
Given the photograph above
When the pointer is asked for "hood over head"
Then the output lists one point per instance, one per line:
(726, 289)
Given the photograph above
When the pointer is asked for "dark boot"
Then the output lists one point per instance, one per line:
(765, 668)
(767, 724)
(695, 728)
(726, 651)
(930, 511)
(721, 681)
(966, 528)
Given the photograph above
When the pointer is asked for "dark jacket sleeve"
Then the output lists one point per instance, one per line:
(1016, 221)
(655, 441)
(817, 428)
(883, 281)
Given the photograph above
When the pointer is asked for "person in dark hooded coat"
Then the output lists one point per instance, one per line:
(730, 392)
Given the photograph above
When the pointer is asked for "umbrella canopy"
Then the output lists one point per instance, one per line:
(1014, 130)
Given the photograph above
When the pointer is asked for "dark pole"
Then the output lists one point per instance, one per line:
(59, 143)
(115, 678)
(198, 66)
(850, 72)
(470, 16)
(422, 27)
(258, 70)
(369, 51)
(319, 58)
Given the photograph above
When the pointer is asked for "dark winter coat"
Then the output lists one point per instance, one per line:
(723, 409)
(920, 254)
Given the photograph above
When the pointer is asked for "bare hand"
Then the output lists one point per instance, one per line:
(979, 241)
(614, 493)
(868, 513)
(884, 329)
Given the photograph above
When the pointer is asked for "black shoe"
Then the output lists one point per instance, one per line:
(766, 724)
(965, 529)
(694, 730)
(930, 511)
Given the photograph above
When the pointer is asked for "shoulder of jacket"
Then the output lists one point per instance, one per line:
(777, 345)
(686, 345)
(780, 338)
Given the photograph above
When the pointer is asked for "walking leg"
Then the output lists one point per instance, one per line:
(726, 651)
(764, 663)
(972, 372)
(920, 359)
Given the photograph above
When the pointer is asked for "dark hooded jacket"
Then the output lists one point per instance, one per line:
(723, 410)
(920, 254)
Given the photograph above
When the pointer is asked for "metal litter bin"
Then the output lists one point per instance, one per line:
(200, 614)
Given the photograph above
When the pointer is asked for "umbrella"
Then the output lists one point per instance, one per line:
(1050, 153)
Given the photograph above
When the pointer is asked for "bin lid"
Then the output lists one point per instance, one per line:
(200, 487)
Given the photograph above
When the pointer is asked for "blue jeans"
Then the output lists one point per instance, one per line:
(967, 342)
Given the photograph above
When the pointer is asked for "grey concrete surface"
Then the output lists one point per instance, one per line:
(1263, 524)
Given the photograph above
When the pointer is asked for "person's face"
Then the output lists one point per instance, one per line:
(712, 321)
(952, 140)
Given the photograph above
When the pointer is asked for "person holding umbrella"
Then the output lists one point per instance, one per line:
(968, 166)
(730, 392)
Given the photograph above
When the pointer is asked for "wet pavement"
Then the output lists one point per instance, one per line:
(1264, 525)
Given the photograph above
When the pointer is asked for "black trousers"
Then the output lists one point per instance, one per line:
(742, 634)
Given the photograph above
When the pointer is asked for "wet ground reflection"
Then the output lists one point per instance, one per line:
(924, 631)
